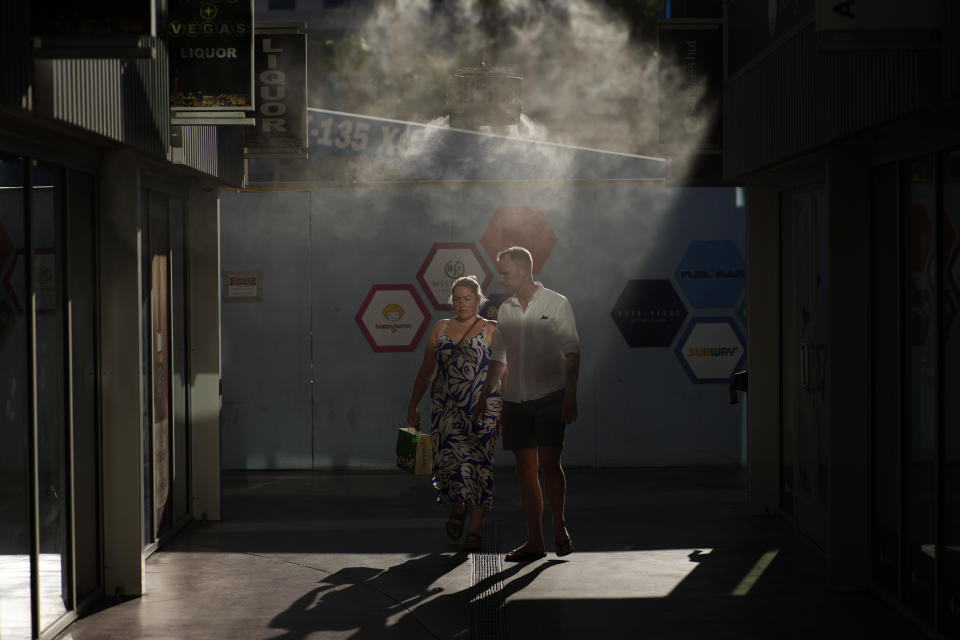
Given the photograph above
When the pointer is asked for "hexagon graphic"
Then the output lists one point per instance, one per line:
(519, 226)
(711, 274)
(446, 262)
(393, 317)
(711, 350)
(649, 313)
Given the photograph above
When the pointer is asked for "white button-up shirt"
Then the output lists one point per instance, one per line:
(533, 344)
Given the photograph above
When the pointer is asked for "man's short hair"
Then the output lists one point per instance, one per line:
(518, 255)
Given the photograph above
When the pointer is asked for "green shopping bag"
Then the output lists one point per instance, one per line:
(414, 451)
(407, 449)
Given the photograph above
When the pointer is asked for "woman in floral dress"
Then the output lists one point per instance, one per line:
(456, 359)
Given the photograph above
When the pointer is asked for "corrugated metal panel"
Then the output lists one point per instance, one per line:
(122, 99)
(230, 152)
(199, 148)
(798, 98)
(214, 150)
(951, 49)
(14, 55)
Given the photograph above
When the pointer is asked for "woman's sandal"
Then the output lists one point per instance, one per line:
(454, 524)
(522, 555)
(472, 542)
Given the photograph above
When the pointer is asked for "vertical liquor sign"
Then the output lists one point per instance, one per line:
(211, 55)
(280, 85)
(690, 82)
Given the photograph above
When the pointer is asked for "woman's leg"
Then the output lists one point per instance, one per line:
(477, 512)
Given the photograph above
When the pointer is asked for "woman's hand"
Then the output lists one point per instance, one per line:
(413, 418)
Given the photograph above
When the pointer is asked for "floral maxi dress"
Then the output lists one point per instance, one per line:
(463, 451)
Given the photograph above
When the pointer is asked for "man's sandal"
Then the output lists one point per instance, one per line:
(454, 524)
(472, 542)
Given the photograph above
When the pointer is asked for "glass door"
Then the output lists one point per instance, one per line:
(54, 569)
(920, 389)
(804, 352)
(15, 385)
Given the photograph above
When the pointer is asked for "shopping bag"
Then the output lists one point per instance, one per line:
(407, 448)
(424, 461)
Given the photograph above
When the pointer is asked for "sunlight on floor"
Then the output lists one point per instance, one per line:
(626, 574)
(15, 593)
(754, 574)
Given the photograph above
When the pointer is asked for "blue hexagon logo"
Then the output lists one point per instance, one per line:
(649, 313)
(711, 350)
(711, 274)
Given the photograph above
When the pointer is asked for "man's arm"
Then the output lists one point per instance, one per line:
(494, 372)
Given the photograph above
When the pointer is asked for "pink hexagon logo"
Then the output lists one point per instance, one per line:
(519, 226)
(446, 262)
(393, 317)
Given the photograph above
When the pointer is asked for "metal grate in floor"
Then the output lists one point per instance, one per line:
(486, 602)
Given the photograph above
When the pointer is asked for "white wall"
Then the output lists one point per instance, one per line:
(637, 406)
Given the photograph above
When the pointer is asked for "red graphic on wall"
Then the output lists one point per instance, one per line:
(519, 226)
(446, 262)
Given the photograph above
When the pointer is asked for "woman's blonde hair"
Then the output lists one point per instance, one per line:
(472, 283)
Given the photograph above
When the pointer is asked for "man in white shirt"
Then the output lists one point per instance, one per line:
(537, 339)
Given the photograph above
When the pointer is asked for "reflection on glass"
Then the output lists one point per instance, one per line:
(14, 415)
(178, 378)
(160, 339)
(885, 367)
(950, 290)
(920, 431)
(48, 253)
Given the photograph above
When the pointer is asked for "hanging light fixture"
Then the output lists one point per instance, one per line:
(484, 95)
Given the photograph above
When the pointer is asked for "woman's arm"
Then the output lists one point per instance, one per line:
(424, 374)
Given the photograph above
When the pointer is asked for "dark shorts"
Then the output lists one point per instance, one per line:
(537, 423)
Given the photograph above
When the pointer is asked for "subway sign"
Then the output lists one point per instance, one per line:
(711, 350)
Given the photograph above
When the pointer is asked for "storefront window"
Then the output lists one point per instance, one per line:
(885, 365)
(15, 601)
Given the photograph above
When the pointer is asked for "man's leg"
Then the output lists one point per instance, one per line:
(555, 485)
(531, 498)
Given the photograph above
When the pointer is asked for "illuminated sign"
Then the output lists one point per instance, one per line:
(280, 81)
(392, 317)
(711, 350)
(523, 227)
(711, 274)
(649, 313)
(211, 54)
(446, 262)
